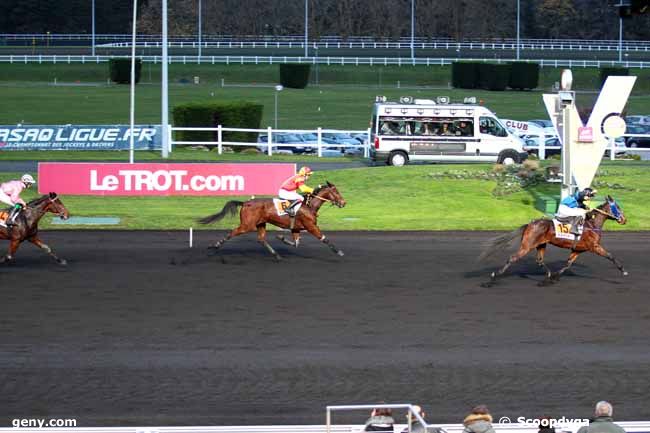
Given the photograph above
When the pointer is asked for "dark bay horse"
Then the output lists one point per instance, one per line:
(538, 233)
(256, 213)
(26, 227)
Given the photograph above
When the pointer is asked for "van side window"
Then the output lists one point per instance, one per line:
(489, 125)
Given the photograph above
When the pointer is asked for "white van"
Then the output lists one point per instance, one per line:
(439, 131)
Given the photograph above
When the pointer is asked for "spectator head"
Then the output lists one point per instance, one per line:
(382, 411)
(603, 408)
(481, 409)
(416, 409)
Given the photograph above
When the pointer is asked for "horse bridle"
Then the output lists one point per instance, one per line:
(52, 200)
(334, 202)
(606, 214)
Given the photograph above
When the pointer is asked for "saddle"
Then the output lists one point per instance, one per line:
(281, 207)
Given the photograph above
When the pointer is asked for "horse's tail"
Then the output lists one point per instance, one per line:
(229, 209)
(500, 243)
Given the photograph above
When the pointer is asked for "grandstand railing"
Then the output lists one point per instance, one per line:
(321, 60)
(355, 41)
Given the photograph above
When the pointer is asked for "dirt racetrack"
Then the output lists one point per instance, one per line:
(139, 329)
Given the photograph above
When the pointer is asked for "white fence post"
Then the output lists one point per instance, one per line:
(169, 138)
(366, 148)
(541, 147)
(269, 140)
(612, 149)
(319, 132)
(219, 139)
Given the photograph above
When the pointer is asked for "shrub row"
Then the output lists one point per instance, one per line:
(120, 70)
(211, 114)
(491, 76)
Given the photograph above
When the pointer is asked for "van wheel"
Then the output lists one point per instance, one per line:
(398, 159)
(508, 157)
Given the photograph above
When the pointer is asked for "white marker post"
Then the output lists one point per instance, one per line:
(191, 237)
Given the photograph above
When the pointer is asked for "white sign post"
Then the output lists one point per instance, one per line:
(583, 146)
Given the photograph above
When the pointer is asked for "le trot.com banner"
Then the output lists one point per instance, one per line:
(162, 179)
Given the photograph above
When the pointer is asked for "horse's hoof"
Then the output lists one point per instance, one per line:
(212, 250)
(340, 253)
(278, 259)
(626, 273)
(493, 275)
(487, 284)
(63, 262)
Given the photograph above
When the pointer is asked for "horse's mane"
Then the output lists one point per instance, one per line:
(319, 188)
(39, 200)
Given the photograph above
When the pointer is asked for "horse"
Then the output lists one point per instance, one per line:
(256, 213)
(26, 227)
(538, 233)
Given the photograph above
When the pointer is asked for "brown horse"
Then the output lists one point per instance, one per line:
(538, 233)
(256, 213)
(26, 227)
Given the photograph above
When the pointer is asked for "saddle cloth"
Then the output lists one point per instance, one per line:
(563, 228)
(282, 205)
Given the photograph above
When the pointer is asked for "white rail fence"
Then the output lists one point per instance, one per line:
(321, 60)
(542, 148)
(271, 144)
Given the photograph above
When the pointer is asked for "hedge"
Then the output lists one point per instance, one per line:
(212, 114)
(523, 75)
(606, 72)
(294, 75)
(120, 70)
(464, 75)
(493, 76)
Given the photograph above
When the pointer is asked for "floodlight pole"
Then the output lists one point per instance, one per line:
(518, 25)
(412, 29)
(132, 95)
(306, 28)
(165, 85)
(93, 28)
(200, 7)
(620, 39)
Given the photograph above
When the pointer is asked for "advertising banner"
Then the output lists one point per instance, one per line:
(80, 137)
(110, 179)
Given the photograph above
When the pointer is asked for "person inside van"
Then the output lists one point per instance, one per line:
(463, 128)
(445, 129)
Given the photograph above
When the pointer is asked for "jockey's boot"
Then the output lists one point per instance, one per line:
(11, 219)
(291, 210)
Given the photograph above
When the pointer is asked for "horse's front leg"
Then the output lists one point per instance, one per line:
(13, 246)
(598, 249)
(315, 231)
(295, 234)
(42, 245)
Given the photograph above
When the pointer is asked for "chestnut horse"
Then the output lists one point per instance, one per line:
(540, 232)
(26, 227)
(256, 213)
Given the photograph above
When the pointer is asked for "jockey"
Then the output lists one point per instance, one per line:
(10, 194)
(289, 187)
(576, 205)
